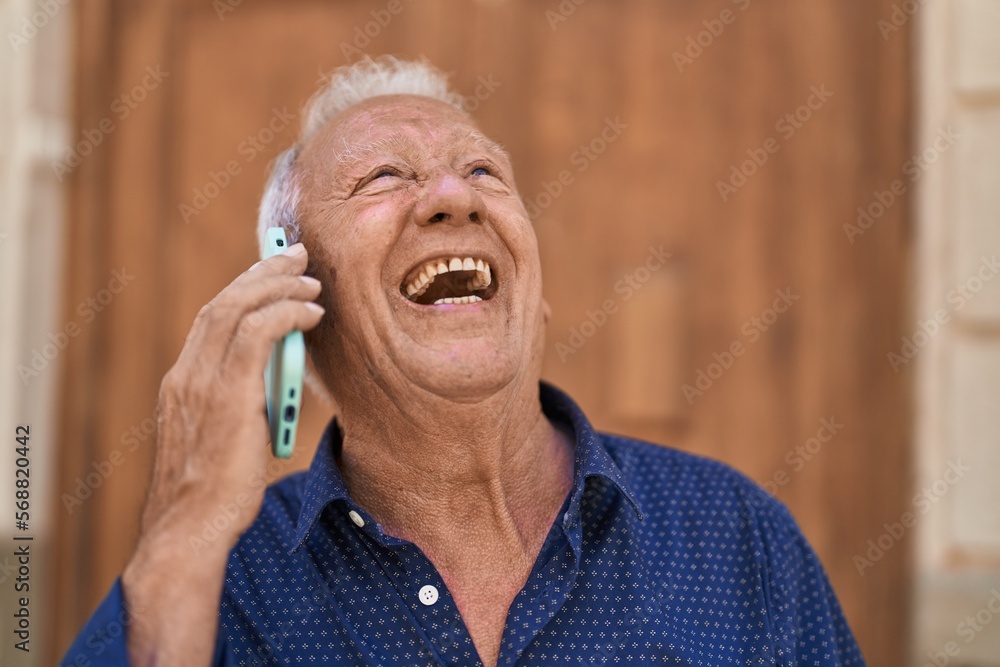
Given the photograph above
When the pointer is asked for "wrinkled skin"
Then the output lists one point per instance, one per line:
(445, 442)
(363, 240)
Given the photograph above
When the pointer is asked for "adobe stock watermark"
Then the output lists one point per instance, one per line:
(87, 310)
(365, 33)
(223, 7)
(626, 286)
(581, 159)
(697, 44)
(928, 497)
(485, 87)
(101, 639)
(913, 169)
(30, 25)
(282, 629)
(230, 511)
(899, 17)
(786, 127)
(968, 629)
(652, 607)
(84, 487)
(562, 13)
(449, 633)
(802, 454)
(248, 149)
(121, 107)
(752, 329)
(957, 298)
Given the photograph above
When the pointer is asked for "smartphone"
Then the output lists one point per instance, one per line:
(283, 373)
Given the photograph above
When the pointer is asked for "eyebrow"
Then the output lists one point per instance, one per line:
(350, 155)
(488, 144)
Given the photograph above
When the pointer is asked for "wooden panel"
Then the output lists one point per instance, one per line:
(662, 139)
(648, 347)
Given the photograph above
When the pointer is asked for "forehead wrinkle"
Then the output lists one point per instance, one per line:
(351, 154)
(484, 142)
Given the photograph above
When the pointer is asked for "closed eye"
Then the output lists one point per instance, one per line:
(378, 173)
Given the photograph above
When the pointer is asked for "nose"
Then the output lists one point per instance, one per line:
(449, 198)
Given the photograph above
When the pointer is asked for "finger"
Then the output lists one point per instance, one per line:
(244, 294)
(293, 260)
(217, 321)
(260, 330)
(240, 299)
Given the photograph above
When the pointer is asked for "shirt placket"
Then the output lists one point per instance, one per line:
(547, 589)
(433, 607)
(425, 595)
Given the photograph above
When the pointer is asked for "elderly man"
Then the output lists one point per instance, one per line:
(458, 512)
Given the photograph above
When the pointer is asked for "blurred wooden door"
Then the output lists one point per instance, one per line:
(736, 136)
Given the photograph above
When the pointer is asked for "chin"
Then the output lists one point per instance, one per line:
(463, 371)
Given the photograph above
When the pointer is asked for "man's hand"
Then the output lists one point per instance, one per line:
(211, 441)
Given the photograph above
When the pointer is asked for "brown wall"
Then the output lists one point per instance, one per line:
(557, 86)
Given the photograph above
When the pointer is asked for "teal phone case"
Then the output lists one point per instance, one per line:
(283, 373)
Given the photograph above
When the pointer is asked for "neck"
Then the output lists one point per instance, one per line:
(449, 475)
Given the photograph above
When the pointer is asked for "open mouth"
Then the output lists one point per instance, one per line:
(450, 280)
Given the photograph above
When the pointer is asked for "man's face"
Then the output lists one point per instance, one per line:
(430, 265)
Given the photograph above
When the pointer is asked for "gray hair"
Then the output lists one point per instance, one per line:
(342, 89)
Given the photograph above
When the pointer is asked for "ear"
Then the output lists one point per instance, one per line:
(546, 311)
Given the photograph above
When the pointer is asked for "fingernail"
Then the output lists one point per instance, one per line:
(309, 280)
(254, 266)
(315, 307)
(295, 249)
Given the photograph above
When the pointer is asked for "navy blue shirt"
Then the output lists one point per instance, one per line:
(657, 558)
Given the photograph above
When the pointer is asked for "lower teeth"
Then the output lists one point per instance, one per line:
(459, 299)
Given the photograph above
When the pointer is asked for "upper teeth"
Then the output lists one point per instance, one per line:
(425, 275)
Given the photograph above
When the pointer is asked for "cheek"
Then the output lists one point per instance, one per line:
(365, 234)
(343, 249)
(524, 245)
(350, 268)
(514, 226)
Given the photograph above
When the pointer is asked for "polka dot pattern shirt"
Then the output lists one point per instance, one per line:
(658, 558)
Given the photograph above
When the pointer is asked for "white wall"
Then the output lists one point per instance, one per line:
(957, 416)
(35, 69)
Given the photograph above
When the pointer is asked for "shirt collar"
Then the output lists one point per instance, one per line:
(592, 458)
(324, 484)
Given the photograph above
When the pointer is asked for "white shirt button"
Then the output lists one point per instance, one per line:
(428, 595)
(356, 518)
